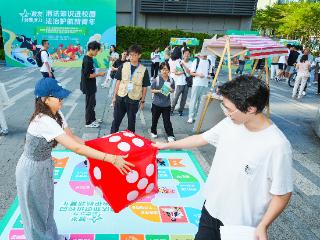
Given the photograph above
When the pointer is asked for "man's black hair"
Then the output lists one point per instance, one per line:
(164, 64)
(135, 49)
(94, 46)
(186, 50)
(304, 58)
(176, 53)
(44, 41)
(246, 91)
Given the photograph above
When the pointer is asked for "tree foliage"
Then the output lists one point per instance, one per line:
(299, 20)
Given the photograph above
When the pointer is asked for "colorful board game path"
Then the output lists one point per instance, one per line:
(81, 213)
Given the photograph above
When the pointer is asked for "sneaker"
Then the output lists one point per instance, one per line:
(98, 120)
(299, 96)
(93, 125)
(4, 132)
(171, 139)
(304, 93)
(153, 135)
(180, 114)
(190, 120)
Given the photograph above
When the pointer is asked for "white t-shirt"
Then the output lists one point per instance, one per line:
(317, 60)
(187, 65)
(176, 66)
(203, 68)
(247, 169)
(155, 57)
(282, 59)
(46, 127)
(114, 55)
(45, 59)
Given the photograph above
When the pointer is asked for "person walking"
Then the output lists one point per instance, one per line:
(274, 67)
(46, 60)
(200, 70)
(88, 84)
(34, 171)
(242, 63)
(113, 56)
(182, 82)
(115, 67)
(250, 181)
(155, 61)
(4, 99)
(303, 73)
(162, 87)
(130, 91)
(317, 72)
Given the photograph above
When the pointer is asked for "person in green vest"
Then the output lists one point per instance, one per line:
(130, 91)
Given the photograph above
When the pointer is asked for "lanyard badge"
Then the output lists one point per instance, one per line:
(130, 84)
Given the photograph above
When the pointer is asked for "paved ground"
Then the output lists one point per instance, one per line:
(299, 221)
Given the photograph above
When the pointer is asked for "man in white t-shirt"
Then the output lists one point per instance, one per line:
(250, 180)
(200, 70)
(182, 84)
(46, 68)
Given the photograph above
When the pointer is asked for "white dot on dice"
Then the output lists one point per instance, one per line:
(97, 173)
(138, 142)
(132, 177)
(127, 134)
(142, 183)
(114, 139)
(123, 146)
(132, 195)
(150, 188)
(150, 170)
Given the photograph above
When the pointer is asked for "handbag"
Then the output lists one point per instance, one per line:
(189, 79)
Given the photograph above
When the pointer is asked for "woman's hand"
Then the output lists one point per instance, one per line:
(122, 165)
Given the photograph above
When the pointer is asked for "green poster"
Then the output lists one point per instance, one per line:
(68, 25)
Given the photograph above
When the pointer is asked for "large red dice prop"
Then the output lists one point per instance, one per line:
(122, 190)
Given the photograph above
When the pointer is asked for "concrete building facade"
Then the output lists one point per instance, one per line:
(208, 16)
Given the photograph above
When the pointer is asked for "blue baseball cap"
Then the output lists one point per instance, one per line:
(50, 87)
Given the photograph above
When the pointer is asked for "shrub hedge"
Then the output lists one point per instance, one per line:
(150, 39)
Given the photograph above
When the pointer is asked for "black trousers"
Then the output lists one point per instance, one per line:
(122, 107)
(165, 112)
(46, 74)
(209, 227)
(155, 69)
(90, 105)
(318, 83)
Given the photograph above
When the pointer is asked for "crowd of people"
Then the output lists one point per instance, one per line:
(299, 62)
(250, 182)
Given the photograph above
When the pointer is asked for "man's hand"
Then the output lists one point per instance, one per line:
(101, 74)
(113, 101)
(50, 74)
(201, 75)
(142, 105)
(261, 233)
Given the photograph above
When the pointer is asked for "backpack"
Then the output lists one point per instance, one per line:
(198, 61)
(38, 58)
